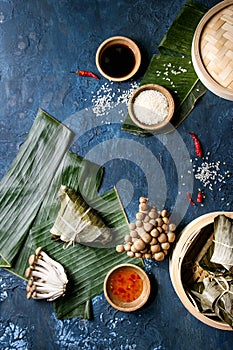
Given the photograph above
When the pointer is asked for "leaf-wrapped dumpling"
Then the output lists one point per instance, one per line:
(223, 241)
(78, 222)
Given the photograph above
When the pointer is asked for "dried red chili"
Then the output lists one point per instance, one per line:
(188, 195)
(85, 73)
(197, 144)
(200, 197)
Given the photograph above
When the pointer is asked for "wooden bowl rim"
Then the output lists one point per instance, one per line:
(122, 40)
(140, 301)
(186, 238)
(197, 61)
(165, 92)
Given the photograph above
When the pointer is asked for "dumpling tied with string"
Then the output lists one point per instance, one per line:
(77, 222)
(223, 241)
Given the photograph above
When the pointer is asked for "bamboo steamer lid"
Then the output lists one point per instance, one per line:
(186, 239)
(212, 50)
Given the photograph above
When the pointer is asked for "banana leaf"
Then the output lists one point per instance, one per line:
(26, 183)
(75, 172)
(76, 259)
(86, 266)
(211, 283)
(77, 222)
(178, 76)
(216, 295)
(223, 241)
(173, 68)
(178, 39)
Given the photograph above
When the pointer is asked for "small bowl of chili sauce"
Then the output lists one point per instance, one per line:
(118, 58)
(127, 287)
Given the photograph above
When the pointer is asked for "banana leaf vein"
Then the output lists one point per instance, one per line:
(173, 68)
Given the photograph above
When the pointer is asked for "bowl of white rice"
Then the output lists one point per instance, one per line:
(151, 107)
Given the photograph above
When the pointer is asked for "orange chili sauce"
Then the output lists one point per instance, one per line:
(126, 285)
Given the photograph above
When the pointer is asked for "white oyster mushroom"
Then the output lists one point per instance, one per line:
(47, 277)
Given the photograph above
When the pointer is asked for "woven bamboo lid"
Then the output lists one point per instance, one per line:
(212, 50)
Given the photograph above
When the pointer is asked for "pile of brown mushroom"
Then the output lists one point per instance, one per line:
(46, 277)
(151, 235)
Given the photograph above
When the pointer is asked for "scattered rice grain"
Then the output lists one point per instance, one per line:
(106, 98)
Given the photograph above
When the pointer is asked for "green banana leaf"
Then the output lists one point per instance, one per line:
(213, 253)
(178, 76)
(215, 295)
(78, 222)
(178, 39)
(86, 267)
(26, 183)
(173, 69)
(223, 241)
(75, 172)
(81, 261)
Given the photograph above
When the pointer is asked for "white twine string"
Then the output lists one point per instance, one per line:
(225, 290)
(77, 229)
(225, 282)
(224, 244)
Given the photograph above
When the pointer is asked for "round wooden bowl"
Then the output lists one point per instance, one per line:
(212, 50)
(118, 40)
(186, 239)
(127, 306)
(170, 102)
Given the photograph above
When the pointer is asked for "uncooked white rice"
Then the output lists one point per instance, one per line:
(150, 107)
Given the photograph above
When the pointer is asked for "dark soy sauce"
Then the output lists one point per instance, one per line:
(117, 60)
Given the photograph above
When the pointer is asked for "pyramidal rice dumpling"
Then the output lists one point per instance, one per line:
(78, 222)
(223, 241)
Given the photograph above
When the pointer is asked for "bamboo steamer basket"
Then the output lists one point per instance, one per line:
(212, 50)
(186, 239)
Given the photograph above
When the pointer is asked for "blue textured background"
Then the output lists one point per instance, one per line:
(41, 41)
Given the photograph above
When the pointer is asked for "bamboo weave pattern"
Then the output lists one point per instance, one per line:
(217, 47)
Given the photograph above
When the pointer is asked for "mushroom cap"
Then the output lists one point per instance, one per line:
(32, 259)
(38, 251)
(139, 244)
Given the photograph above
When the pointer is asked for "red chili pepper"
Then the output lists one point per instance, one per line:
(85, 73)
(197, 144)
(188, 195)
(200, 197)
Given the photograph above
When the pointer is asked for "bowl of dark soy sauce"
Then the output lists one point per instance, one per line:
(118, 58)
